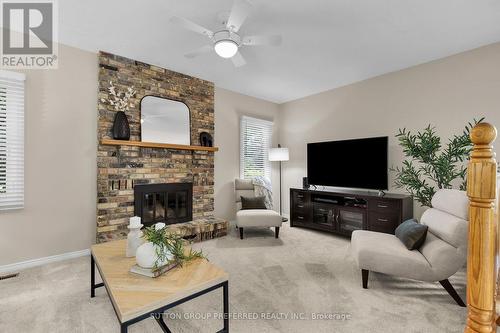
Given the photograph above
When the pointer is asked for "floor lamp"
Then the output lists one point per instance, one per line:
(279, 155)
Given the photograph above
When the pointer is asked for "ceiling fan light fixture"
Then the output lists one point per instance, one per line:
(226, 48)
(226, 42)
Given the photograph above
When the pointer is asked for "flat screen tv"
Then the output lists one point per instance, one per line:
(358, 163)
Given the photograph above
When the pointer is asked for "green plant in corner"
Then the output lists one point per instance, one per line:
(169, 245)
(430, 166)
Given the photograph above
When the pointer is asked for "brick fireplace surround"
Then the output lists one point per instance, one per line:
(121, 167)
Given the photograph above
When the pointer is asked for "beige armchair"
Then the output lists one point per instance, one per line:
(443, 253)
(253, 217)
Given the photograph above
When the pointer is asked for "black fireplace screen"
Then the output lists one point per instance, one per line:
(168, 203)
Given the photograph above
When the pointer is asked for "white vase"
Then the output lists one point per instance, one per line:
(146, 256)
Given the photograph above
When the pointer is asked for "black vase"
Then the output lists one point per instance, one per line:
(121, 128)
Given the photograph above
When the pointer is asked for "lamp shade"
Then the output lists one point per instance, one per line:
(278, 154)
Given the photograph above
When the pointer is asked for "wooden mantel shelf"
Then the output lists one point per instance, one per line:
(112, 142)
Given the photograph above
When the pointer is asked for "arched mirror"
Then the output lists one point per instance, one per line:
(164, 121)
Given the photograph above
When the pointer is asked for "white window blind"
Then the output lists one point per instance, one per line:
(11, 140)
(255, 142)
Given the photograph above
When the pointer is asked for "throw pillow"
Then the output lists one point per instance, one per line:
(253, 203)
(411, 233)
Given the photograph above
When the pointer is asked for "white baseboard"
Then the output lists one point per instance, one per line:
(16, 267)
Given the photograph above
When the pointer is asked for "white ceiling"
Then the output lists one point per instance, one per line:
(326, 43)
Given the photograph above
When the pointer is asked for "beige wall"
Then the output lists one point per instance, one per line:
(229, 107)
(446, 93)
(60, 162)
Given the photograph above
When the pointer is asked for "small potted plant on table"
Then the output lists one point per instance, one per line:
(162, 252)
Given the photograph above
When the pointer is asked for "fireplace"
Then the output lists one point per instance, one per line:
(168, 203)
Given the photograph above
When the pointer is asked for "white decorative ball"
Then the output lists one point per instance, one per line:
(146, 256)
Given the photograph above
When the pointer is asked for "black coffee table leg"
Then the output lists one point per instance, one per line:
(93, 286)
(161, 322)
(225, 289)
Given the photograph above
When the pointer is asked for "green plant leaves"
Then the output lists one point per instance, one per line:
(431, 166)
(169, 243)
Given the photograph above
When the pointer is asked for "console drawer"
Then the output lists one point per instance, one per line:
(382, 222)
(381, 205)
(299, 207)
(300, 198)
(299, 217)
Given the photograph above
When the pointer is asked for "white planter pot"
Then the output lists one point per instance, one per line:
(146, 256)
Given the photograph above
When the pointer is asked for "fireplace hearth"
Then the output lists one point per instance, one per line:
(168, 203)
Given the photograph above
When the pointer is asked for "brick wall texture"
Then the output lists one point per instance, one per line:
(121, 167)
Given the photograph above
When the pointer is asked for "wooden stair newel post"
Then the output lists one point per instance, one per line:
(481, 256)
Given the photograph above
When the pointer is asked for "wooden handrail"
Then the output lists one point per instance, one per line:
(497, 218)
(482, 245)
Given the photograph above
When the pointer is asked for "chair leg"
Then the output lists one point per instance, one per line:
(453, 293)
(364, 276)
(276, 232)
(241, 233)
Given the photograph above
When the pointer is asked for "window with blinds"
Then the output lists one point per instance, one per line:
(255, 142)
(11, 140)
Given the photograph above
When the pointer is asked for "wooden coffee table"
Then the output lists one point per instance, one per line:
(135, 297)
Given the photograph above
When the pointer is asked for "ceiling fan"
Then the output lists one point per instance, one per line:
(227, 42)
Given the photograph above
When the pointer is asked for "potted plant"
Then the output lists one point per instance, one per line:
(163, 250)
(431, 165)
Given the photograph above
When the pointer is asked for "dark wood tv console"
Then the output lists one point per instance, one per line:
(343, 212)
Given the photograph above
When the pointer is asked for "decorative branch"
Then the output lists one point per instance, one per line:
(120, 100)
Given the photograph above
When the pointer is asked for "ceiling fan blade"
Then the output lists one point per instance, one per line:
(241, 9)
(238, 60)
(262, 40)
(197, 52)
(189, 25)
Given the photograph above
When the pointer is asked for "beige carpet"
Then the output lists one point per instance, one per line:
(304, 273)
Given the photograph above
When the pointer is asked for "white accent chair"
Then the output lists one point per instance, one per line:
(253, 217)
(443, 253)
